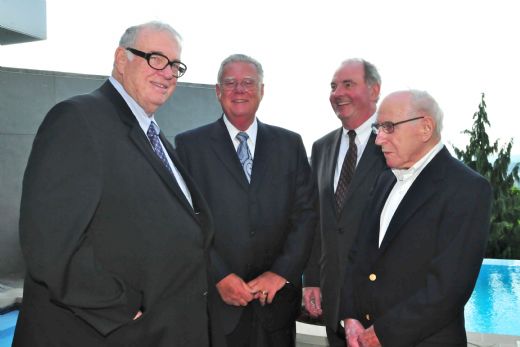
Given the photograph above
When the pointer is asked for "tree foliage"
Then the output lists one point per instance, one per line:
(504, 237)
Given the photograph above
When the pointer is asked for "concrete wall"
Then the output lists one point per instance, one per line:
(25, 98)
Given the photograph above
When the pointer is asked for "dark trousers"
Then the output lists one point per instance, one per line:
(250, 333)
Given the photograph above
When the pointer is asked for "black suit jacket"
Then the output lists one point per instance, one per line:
(414, 287)
(336, 233)
(105, 232)
(266, 225)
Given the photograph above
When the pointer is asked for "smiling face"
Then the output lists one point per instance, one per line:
(351, 98)
(240, 100)
(150, 88)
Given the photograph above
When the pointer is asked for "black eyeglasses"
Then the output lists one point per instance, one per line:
(388, 127)
(159, 61)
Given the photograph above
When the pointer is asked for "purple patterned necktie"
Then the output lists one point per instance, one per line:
(347, 171)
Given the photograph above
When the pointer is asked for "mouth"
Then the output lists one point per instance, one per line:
(240, 101)
(343, 102)
(160, 85)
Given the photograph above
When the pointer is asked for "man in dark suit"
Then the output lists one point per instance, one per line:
(415, 267)
(354, 93)
(257, 181)
(113, 231)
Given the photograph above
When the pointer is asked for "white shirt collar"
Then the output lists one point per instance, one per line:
(251, 131)
(406, 174)
(142, 117)
(363, 131)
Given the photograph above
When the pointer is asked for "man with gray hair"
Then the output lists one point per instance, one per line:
(113, 231)
(345, 164)
(415, 265)
(257, 181)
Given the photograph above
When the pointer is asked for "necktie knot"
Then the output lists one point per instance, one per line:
(351, 137)
(153, 130)
(242, 136)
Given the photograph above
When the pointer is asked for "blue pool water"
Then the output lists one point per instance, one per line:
(494, 306)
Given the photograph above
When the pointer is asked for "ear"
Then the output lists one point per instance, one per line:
(427, 128)
(261, 91)
(375, 89)
(218, 91)
(120, 59)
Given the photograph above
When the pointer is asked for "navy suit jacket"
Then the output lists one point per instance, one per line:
(414, 287)
(106, 231)
(336, 233)
(265, 225)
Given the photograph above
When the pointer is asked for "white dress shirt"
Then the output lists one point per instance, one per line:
(362, 135)
(251, 132)
(405, 178)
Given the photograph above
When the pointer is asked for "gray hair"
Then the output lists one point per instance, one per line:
(240, 58)
(371, 74)
(130, 36)
(424, 104)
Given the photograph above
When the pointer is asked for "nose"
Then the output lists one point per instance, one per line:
(380, 137)
(167, 72)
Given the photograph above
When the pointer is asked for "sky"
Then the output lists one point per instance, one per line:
(455, 50)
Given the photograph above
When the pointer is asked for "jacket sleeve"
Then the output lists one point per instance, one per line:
(62, 187)
(311, 275)
(302, 221)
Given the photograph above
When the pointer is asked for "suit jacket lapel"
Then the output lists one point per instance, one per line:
(140, 140)
(225, 152)
(424, 186)
(264, 146)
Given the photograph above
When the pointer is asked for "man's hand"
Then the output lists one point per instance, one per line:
(266, 285)
(312, 301)
(234, 291)
(353, 329)
(369, 338)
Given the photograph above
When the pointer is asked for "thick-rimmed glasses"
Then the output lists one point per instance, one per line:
(247, 84)
(159, 61)
(389, 127)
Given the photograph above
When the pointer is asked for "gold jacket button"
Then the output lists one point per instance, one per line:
(372, 277)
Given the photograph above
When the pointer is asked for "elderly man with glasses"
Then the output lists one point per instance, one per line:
(113, 231)
(416, 262)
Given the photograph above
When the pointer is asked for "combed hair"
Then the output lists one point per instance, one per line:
(240, 58)
(423, 103)
(371, 74)
(130, 35)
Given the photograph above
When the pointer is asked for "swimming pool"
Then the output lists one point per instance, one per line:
(494, 306)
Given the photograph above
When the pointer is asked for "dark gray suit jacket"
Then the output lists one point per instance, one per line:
(414, 287)
(336, 234)
(105, 232)
(266, 225)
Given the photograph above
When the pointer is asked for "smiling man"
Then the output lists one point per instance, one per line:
(257, 181)
(425, 227)
(113, 231)
(345, 165)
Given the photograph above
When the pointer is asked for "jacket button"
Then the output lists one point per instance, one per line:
(372, 277)
(205, 294)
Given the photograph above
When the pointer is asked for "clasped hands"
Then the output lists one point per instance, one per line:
(357, 336)
(234, 291)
